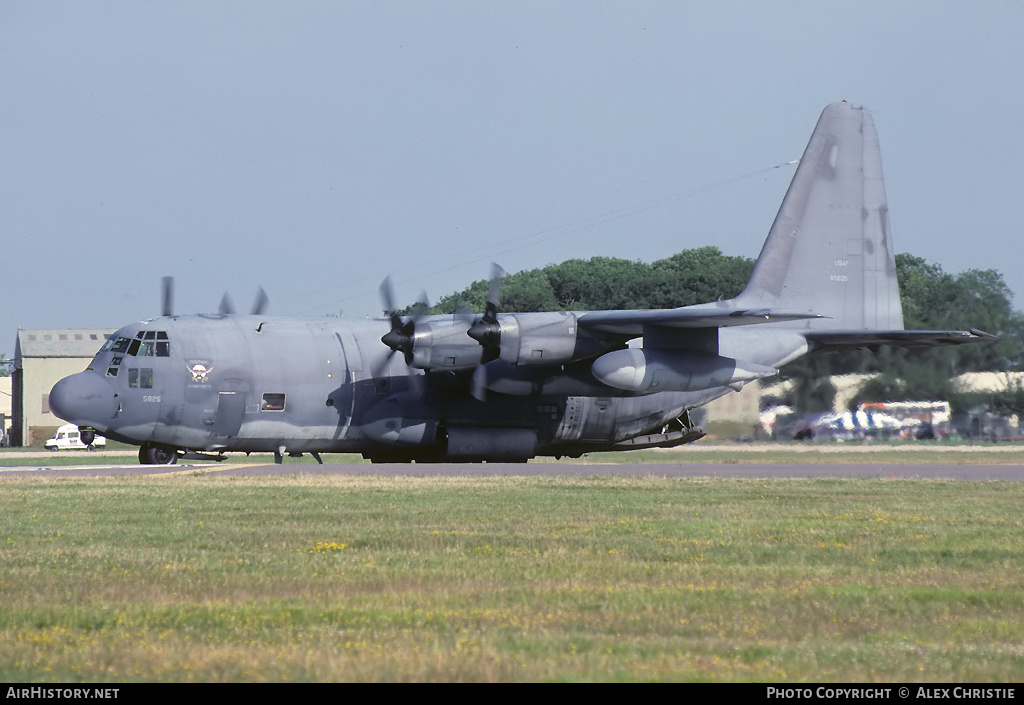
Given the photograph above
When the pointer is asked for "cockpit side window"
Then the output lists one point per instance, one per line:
(114, 363)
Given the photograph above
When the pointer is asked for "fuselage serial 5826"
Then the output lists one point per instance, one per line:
(512, 386)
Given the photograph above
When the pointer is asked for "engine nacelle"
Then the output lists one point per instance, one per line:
(642, 370)
(538, 338)
(443, 345)
(548, 338)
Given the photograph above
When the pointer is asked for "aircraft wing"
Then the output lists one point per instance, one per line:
(632, 322)
(839, 340)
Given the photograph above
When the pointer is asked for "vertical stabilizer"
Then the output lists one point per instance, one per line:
(830, 249)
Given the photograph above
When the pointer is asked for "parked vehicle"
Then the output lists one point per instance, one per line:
(67, 437)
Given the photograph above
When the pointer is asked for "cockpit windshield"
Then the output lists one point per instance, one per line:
(147, 343)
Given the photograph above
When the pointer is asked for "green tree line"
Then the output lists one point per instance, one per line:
(607, 283)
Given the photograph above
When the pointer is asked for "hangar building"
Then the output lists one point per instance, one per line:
(41, 358)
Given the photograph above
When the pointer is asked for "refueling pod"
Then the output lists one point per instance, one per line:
(640, 370)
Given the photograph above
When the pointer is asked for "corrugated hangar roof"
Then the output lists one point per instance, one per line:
(67, 342)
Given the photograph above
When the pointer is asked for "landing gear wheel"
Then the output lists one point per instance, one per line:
(157, 455)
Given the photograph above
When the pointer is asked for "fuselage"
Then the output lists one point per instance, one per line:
(216, 383)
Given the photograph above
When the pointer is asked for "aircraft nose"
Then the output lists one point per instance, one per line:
(84, 399)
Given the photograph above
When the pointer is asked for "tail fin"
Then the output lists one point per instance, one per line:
(830, 249)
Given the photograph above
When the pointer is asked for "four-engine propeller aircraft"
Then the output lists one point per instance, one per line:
(509, 387)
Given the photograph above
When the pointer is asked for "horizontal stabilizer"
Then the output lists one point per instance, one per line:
(840, 340)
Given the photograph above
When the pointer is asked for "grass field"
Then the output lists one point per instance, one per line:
(195, 577)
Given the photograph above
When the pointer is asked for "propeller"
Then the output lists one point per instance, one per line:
(400, 337)
(487, 330)
(259, 304)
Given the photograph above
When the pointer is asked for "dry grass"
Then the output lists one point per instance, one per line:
(208, 578)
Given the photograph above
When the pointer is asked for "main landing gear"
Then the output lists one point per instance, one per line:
(152, 454)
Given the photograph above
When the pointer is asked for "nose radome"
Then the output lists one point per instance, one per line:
(84, 399)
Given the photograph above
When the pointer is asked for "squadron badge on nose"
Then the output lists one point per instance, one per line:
(200, 370)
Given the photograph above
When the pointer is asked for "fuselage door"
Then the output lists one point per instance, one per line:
(230, 414)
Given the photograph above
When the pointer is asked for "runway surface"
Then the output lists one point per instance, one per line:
(759, 470)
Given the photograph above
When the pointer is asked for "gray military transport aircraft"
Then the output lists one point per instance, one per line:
(509, 387)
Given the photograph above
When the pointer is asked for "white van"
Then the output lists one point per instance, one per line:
(67, 437)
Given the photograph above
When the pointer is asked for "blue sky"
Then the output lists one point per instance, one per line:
(315, 147)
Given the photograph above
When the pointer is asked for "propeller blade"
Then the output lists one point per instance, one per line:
(167, 296)
(387, 295)
(259, 306)
(381, 370)
(497, 279)
(418, 384)
(478, 386)
(463, 313)
(421, 307)
(226, 307)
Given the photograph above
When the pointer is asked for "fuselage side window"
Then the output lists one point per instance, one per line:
(140, 377)
(272, 402)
